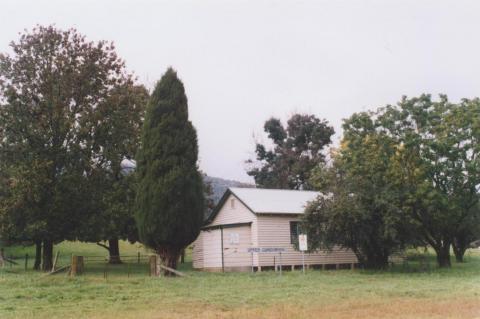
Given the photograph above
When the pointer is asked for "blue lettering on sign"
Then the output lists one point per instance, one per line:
(266, 250)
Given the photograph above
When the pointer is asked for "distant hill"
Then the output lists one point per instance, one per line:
(220, 185)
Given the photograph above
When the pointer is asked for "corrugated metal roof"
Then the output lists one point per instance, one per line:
(274, 201)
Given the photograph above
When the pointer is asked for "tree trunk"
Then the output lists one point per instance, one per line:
(375, 262)
(38, 255)
(182, 257)
(459, 251)
(169, 257)
(114, 251)
(443, 255)
(47, 255)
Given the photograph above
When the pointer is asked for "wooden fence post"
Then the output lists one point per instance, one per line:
(77, 266)
(105, 271)
(26, 262)
(153, 265)
(73, 267)
(54, 262)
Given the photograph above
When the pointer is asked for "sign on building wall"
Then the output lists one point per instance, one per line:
(266, 250)
(234, 238)
(302, 242)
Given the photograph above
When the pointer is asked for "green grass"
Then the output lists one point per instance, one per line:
(414, 290)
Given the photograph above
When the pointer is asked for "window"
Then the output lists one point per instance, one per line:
(232, 203)
(295, 230)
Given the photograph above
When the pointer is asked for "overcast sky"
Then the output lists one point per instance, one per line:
(245, 61)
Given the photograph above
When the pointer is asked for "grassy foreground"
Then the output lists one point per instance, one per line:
(414, 290)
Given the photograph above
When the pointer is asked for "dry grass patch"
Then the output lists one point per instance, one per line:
(404, 308)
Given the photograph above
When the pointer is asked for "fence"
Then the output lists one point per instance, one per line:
(129, 266)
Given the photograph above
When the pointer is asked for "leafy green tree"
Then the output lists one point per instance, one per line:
(462, 136)
(15, 212)
(437, 165)
(297, 150)
(361, 211)
(468, 231)
(170, 199)
(51, 88)
(428, 177)
(112, 184)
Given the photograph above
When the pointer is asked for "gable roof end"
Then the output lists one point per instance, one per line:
(267, 201)
(275, 201)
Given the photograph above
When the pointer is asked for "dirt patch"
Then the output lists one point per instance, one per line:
(388, 308)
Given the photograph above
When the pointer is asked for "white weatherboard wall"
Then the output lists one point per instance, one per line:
(207, 248)
(265, 230)
(274, 231)
(236, 252)
(197, 253)
(212, 249)
(238, 213)
(235, 214)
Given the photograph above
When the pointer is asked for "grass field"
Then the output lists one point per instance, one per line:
(414, 290)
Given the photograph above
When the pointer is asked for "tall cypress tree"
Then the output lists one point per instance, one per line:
(169, 200)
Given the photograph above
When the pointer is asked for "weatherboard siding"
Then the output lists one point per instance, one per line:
(236, 254)
(254, 234)
(237, 214)
(233, 215)
(197, 253)
(274, 231)
(264, 231)
(212, 248)
(207, 250)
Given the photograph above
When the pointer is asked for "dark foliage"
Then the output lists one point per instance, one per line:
(170, 199)
(297, 150)
(51, 88)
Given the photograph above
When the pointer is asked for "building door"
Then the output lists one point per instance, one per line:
(236, 241)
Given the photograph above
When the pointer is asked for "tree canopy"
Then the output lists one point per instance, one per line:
(360, 206)
(52, 88)
(112, 186)
(297, 149)
(438, 165)
(417, 167)
(170, 199)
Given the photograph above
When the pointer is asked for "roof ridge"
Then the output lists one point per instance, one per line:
(275, 189)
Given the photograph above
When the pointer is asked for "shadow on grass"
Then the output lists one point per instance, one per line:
(425, 262)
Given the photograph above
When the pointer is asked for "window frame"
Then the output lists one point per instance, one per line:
(295, 230)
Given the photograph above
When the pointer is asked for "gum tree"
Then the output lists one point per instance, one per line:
(297, 149)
